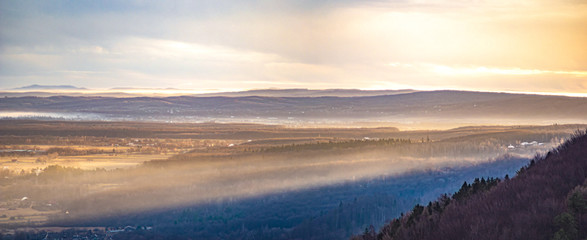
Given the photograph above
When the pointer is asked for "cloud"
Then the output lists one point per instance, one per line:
(314, 44)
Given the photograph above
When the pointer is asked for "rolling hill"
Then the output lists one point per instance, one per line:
(418, 106)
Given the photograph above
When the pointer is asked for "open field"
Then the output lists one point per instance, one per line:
(24, 216)
(28, 145)
(85, 162)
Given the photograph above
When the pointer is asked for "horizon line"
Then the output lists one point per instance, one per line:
(186, 91)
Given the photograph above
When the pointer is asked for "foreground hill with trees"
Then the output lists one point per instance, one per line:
(547, 199)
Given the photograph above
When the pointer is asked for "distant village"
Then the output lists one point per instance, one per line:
(525, 144)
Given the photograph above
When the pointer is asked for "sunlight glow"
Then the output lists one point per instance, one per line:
(478, 70)
(447, 70)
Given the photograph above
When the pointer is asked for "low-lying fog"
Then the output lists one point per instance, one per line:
(402, 123)
(192, 179)
(49, 115)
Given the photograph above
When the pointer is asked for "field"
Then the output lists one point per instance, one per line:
(85, 162)
(77, 174)
(30, 145)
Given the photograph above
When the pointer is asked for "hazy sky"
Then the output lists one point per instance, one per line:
(497, 45)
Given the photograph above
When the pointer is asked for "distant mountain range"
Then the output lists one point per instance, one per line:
(48, 87)
(302, 92)
(48, 91)
(431, 105)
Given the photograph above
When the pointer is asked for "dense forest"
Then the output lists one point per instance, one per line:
(547, 199)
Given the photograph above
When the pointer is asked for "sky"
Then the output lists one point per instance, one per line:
(498, 45)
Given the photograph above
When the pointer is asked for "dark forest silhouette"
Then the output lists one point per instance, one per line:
(547, 199)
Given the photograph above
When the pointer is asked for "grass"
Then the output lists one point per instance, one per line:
(86, 162)
(24, 215)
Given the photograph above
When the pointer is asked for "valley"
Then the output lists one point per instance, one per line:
(100, 174)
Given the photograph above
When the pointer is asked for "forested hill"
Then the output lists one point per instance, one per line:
(431, 104)
(546, 200)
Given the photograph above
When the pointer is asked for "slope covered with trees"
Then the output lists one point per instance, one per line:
(545, 200)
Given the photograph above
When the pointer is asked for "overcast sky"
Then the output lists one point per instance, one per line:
(497, 45)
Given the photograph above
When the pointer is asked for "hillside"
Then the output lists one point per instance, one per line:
(546, 200)
(302, 92)
(52, 90)
(417, 106)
